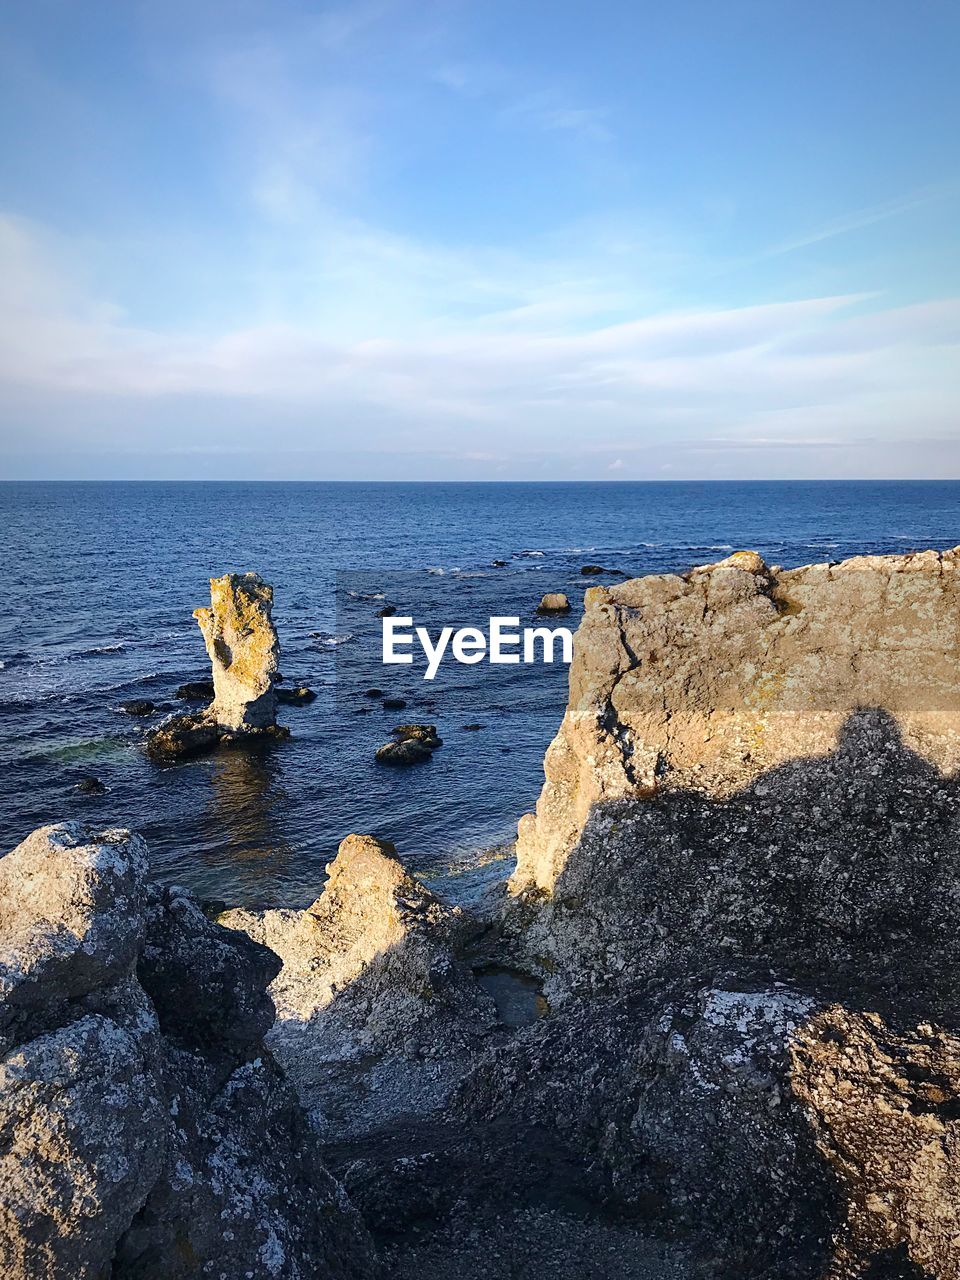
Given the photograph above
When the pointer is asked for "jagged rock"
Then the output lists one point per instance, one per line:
(592, 570)
(372, 978)
(148, 1137)
(244, 651)
(82, 1129)
(844, 869)
(195, 691)
(207, 984)
(777, 1134)
(554, 602)
(138, 707)
(710, 680)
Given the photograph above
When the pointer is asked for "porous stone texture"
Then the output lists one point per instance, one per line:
(842, 869)
(144, 1130)
(711, 680)
(375, 1004)
(244, 651)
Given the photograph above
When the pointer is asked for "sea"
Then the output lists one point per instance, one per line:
(102, 580)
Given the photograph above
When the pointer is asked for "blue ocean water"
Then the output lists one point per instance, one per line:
(102, 579)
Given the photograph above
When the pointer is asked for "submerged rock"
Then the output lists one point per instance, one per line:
(89, 785)
(405, 752)
(138, 707)
(298, 696)
(195, 691)
(426, 734)
(180, 737)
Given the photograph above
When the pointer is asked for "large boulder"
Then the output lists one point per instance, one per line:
(774, 1133)
(83, 1128)
(145, 1131)
(71, 922)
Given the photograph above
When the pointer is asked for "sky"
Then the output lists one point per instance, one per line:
(471, 239)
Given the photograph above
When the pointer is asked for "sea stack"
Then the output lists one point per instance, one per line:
(244, 651)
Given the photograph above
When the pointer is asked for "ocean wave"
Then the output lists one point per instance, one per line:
(436, 570)
(327, 640)
(530, 555)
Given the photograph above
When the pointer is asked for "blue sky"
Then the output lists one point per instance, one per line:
(472, 239)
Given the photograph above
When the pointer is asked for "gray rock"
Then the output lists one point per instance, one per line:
(71, 921)
(82, 1132)
(146, 1136)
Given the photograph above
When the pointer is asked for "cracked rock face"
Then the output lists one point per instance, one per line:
(708, 681)
(145, 1133)
(244, 651)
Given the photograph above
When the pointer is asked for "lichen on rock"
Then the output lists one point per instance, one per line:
(145, 1131)
(244, 651)
(710, 680)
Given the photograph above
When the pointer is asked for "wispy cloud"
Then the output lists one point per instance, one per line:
(859, 218)
(802, 375)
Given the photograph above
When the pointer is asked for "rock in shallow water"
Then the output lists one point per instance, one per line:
(244, 651)
(403, 753)
(554, 602)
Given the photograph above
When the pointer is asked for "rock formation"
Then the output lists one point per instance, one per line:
(144, 1130)
(372, 982)
(711, 680)
(244, 651)
(735, 912)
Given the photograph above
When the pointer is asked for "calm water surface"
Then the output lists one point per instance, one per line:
(102, 580)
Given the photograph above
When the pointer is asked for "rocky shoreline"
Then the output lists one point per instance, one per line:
(710, 1027)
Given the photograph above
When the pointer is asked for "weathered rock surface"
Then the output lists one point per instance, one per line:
(244, 652)
(144, 1130)
(554, 602)
(711, 680)
(373, 985)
